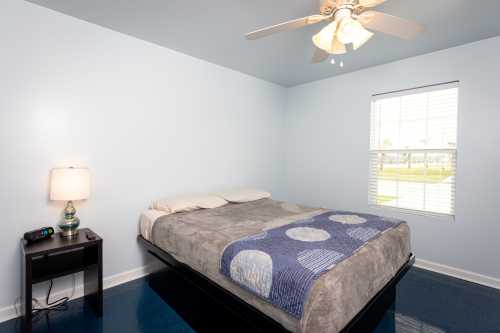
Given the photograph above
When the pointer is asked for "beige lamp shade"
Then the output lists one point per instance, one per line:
(69, 184)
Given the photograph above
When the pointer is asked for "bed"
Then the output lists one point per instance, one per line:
(338, 300)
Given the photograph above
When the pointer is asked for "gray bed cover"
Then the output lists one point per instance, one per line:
(198, 239)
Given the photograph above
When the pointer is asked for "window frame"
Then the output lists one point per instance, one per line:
(453, 151)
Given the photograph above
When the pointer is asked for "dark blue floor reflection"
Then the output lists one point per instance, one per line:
(426, 302)
(434, 303)
(128, 308)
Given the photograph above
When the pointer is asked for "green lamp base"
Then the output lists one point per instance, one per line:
(70, 223)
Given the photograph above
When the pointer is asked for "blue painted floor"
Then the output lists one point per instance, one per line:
(426, 302)
(434, 303)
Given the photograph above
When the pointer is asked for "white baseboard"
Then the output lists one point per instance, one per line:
(12, 311)
(458, 273)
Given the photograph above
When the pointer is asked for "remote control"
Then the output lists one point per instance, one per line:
(90, 235)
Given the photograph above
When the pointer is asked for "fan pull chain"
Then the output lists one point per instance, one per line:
(333, 62)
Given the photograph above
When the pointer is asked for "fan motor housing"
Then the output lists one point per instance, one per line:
(329, 7)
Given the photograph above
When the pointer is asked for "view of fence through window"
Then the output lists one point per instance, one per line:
(413, 147)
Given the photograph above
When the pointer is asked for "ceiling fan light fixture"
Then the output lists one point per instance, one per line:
(324, 38)
(327, 40)
(348, 30)
(337, 47)
(361, 38)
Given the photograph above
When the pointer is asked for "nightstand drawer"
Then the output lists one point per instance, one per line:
(53, 265)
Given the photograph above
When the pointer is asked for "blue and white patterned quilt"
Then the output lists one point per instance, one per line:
(281, 264)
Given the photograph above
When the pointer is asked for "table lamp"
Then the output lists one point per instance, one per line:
(69, 184)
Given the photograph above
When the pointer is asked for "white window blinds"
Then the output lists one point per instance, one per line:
(413, 149)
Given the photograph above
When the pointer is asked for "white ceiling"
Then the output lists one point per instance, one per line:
(213, 31)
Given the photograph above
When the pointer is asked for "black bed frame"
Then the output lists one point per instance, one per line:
(256, 321)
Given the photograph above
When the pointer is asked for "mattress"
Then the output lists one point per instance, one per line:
(198, 239)
(147, 220)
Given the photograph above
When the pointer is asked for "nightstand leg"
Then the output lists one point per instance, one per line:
(26, 302)
(92, 277)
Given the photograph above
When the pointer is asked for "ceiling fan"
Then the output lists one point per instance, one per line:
(348, 21)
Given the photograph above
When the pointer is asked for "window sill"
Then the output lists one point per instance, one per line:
(397, 212)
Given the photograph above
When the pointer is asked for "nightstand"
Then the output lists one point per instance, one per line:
(57, 256)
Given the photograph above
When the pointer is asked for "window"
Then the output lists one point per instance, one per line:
(413, 149)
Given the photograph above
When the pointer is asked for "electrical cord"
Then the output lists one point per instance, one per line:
(57, 305)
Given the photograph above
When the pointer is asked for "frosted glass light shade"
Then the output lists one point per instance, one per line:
(324, 38)
(361, 38)
(68, 184)
(327, 41)
(351, 31)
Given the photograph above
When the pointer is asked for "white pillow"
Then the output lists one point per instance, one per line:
(244, 195)
(188, 203)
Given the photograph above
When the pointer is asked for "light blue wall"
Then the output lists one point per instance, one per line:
(147, 121)
(327, 136)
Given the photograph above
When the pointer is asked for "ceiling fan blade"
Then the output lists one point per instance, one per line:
(370, 3)
(391, 25)
(290, 25)
(327, 6)
(319, 56)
